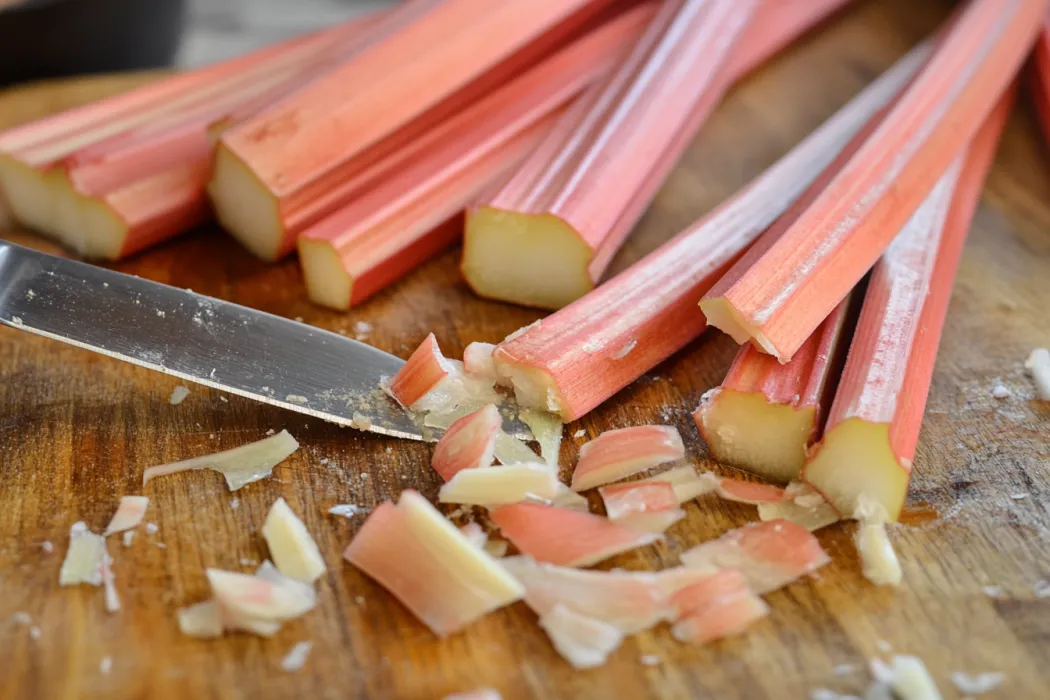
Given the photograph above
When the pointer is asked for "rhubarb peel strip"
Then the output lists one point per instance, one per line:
(430, 566)
(873, 426)
(778, 300)
(584, 642)
(240, 466)
(769, 554)
(616, 454)
(129, 514)
(549, 233)
(565, 537)
(469, 443)
(571, 362)
(492, 486)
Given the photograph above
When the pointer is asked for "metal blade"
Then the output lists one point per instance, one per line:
(201, 339)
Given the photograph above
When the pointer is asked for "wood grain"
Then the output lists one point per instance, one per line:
(77, 430)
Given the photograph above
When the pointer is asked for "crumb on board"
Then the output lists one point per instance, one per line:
(579, 433)
(47, 546)
(295, 659)
(151, 528)
(106, 664)
(976, 683)
(993, 591)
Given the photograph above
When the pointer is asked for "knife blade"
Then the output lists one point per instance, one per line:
(203, 340)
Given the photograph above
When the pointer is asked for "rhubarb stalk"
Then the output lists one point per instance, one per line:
(873, 426)
(778, 300)
(1040, 77)
(765, 415)
(276, 169)
(549, 233)
(575, 359)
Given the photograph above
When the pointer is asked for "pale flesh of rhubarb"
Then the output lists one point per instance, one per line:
(565, 537)
(631, 601)
(1038, 365)
(548, 235)
(801, 505)
(241, 465)
(202, 620)
(260, 598)
(493, 486)
(83, 562)
(765, 415)
(877, 557)
(573, 360)
(647, 507)
(129, 514)
(616, 454)
(469, 443)
(293, 550)
(584, 642)
(770, 554)
(430, 566)
(873, 426)
(547, 429)
(782, 297)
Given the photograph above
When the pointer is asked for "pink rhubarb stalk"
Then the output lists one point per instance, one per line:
(583, 354)
(873, 427)
(778, 300)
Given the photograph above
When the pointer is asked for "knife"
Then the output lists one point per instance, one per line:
(204, 340)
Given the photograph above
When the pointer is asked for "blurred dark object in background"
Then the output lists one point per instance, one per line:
(49, 38)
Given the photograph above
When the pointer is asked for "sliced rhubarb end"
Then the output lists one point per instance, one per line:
(721, 314)
(478, 362)
(533, 387)
(745, 430)
(854, 460)
(528, 259)
(27, 195)
(617, 454)
(245, 207)
(425, 367)
(327, 281)
(469, 443)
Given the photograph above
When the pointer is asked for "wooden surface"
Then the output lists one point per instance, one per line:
(76, 431)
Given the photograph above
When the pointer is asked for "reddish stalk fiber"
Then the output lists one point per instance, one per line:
(580, 356)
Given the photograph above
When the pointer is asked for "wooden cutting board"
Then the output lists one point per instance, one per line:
(76, 431)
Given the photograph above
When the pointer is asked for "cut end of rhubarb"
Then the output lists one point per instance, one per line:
(747, 431)
(327, 281)
(722, 315)
(855, 460)
(528, 259)
(27, 194)
(245, 207)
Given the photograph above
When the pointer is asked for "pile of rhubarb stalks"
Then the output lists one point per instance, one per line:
(541, 131)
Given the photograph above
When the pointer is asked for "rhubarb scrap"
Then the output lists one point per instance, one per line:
(770, 554)
(801, 505)
(565, 537)
(84, 558)
(547, 429)
(494, 486)
(469, 443)
(130, 512)
(241, 465)
(765, 415)
(565, 364)
(631, 601)
(430, 566)
(1038, 364)
(429, 382)
(582, 641)
(202, 620)
(780, 298)
(877, 557)
(617, 454)
(295, 659)
(721, 619)
(261, 597)
(545, 238)
(644, 506)
(510, 450)
(685, 481)
(293, 550)
(873, 425)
